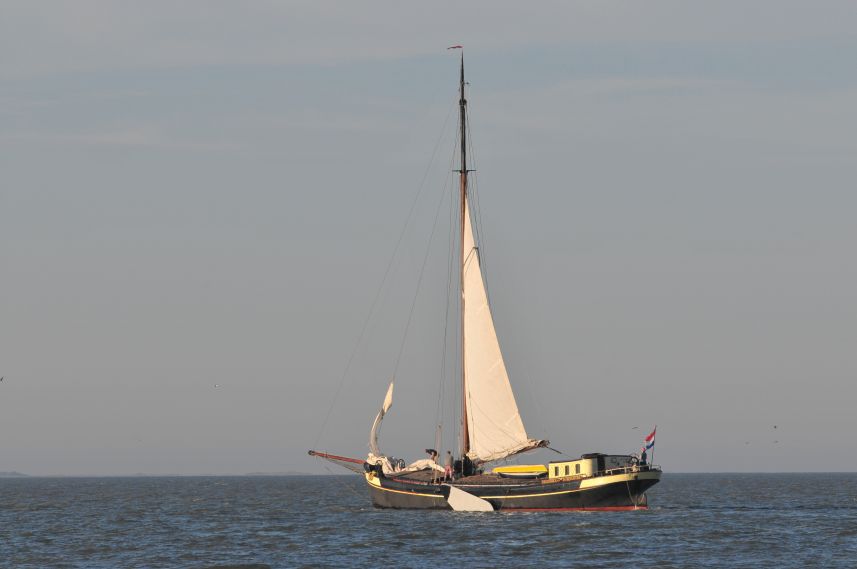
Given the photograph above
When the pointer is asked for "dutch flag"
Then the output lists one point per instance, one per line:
(650, 440)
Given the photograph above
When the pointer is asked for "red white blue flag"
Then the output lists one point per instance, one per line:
(650, 440)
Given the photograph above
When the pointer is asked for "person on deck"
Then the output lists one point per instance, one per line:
(447, 471)
(643, 457)
(432, 457)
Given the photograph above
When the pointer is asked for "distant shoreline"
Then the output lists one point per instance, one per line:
(14, 474)
(166, 475)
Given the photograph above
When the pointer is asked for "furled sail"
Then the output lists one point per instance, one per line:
(494, 425)
(373, 434)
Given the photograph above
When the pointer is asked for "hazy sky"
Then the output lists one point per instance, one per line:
(205, 193)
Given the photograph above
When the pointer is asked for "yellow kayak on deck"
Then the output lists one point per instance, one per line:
(522, 471)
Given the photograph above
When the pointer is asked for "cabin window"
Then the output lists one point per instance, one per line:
(577, 469)
(556, 470)
(566, 470)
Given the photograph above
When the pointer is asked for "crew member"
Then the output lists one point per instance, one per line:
(432, 458)
(447, 470)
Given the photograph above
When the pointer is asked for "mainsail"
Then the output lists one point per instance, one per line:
(494, 426)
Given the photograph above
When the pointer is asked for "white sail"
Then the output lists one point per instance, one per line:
(494, 425)
(373, 434)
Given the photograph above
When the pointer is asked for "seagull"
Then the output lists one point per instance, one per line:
(775, 426)
(632, 428)
(216, 385)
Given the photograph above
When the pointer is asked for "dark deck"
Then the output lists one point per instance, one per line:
(429, 477)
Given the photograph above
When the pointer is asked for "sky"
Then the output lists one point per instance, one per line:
(199, 203)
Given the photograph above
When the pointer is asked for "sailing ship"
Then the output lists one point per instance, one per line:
(491, 426)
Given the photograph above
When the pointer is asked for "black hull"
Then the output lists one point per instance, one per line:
(600, 493)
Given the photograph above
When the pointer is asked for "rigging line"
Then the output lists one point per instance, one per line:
(480, 228)
(450, 256)
(631, 498)
(497, 425)
(482, 256)
(480, 236)
(455, 400)
(527, 382)
(449, 283)
(483, 262)
(420, 280)
(442, 386)
(383, 280)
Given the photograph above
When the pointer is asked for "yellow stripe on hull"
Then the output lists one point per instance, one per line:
(625, 477)
(374, 482)
(586, 484)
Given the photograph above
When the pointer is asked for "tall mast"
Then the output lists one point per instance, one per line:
(462, 106)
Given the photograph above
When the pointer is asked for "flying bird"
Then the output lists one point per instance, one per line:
(632, 428)
(216, 385)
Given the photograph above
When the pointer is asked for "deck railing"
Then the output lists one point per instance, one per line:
(627, 469)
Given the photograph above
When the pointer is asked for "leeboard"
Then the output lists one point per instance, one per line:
(462, 501)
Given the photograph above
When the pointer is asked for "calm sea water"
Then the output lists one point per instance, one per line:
(696, 520)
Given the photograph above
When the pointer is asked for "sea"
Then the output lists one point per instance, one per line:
(694, 520)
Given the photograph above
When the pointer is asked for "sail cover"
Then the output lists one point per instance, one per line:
(494, 425)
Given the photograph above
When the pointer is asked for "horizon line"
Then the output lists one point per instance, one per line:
(17, 474)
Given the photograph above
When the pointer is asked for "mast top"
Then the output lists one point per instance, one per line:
(462, 76)
(462, 105)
